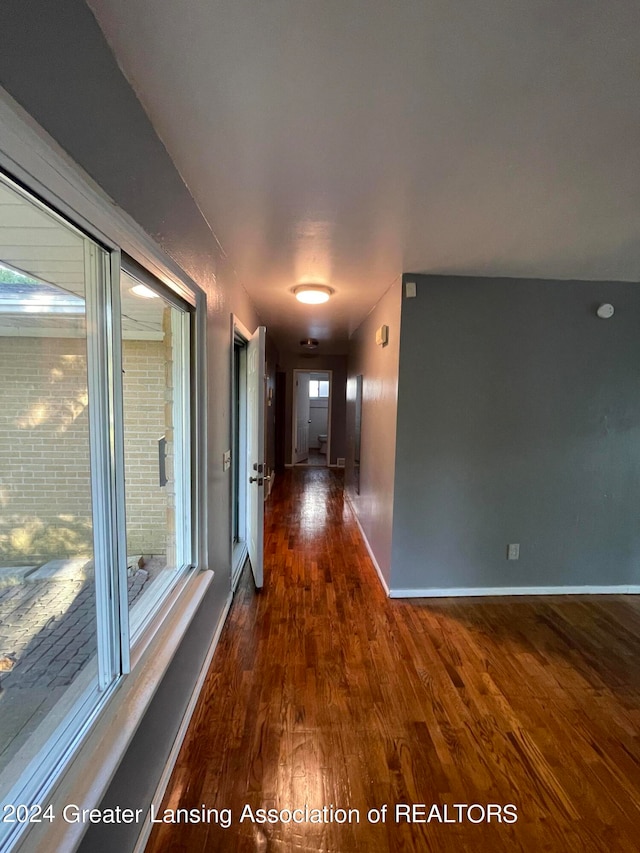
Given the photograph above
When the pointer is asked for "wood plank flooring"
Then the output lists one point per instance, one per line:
(324, 692)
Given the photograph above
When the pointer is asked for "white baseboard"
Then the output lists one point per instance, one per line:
(372, 556)
(515, 590)
(182, 731)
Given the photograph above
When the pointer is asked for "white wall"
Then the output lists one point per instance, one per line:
(379, 368)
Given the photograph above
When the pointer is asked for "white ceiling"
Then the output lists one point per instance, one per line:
(347, 141)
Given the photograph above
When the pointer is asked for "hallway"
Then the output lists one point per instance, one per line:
(324, 692)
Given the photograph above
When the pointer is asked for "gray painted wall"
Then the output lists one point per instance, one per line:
(57, 65)
(379, 369)
(518, 421)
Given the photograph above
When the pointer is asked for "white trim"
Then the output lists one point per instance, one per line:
(119, 515)
(199, 420)
(182, 433)
(89, 774)
(238, 559)
(461, 592)
(238, 326)
(161, 787)
(239, 548)
(104, 486)
(294, 425)
(158, 610)
(272, 475)
(458, 592)
(372, 556)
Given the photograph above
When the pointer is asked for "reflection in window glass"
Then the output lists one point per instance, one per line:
(155, 358)
(47, 576)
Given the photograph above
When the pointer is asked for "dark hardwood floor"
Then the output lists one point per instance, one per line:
(324, 692)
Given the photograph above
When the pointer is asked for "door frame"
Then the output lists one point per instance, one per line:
(294, 412)
(296, 451)
(239, 548)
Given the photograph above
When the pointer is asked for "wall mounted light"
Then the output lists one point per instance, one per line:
(312, 294)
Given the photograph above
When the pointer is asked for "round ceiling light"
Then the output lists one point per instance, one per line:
(309, 343)
(144, 291)
(312, 294)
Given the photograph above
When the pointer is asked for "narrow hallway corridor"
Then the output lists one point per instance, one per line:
(323, 692)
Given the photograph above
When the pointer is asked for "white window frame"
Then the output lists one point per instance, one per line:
(36, 761)
(181, 329)
(29, 156)
(319, 396)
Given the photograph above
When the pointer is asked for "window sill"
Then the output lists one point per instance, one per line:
(87, 776)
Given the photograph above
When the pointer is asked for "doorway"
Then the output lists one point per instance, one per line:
(247, 453)
(238, 457)
(311, 428)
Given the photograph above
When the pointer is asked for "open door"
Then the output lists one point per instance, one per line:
(255, 452)
(301, 445)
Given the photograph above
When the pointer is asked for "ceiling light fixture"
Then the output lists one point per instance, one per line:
(143, 291)
(312, 294)
(309, 343)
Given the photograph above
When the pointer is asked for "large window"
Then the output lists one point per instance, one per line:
(57, 635)
(156, 382)
(94, 387)
(318, 389)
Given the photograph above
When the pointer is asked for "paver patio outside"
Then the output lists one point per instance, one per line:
(48, 632)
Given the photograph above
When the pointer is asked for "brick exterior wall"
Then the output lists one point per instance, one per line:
(45, 494)
(144, 423)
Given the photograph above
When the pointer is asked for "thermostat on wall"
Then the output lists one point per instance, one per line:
(382, 336)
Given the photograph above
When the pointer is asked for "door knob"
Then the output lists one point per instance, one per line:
(258, 480)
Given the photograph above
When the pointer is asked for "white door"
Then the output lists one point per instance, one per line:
(255, 452)
(301, 446)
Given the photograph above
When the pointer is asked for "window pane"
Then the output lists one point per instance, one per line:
(323, 388)
(314, 386)
(155, 357)
(47, 584)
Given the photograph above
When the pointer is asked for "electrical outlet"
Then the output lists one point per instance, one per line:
(513, 551)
